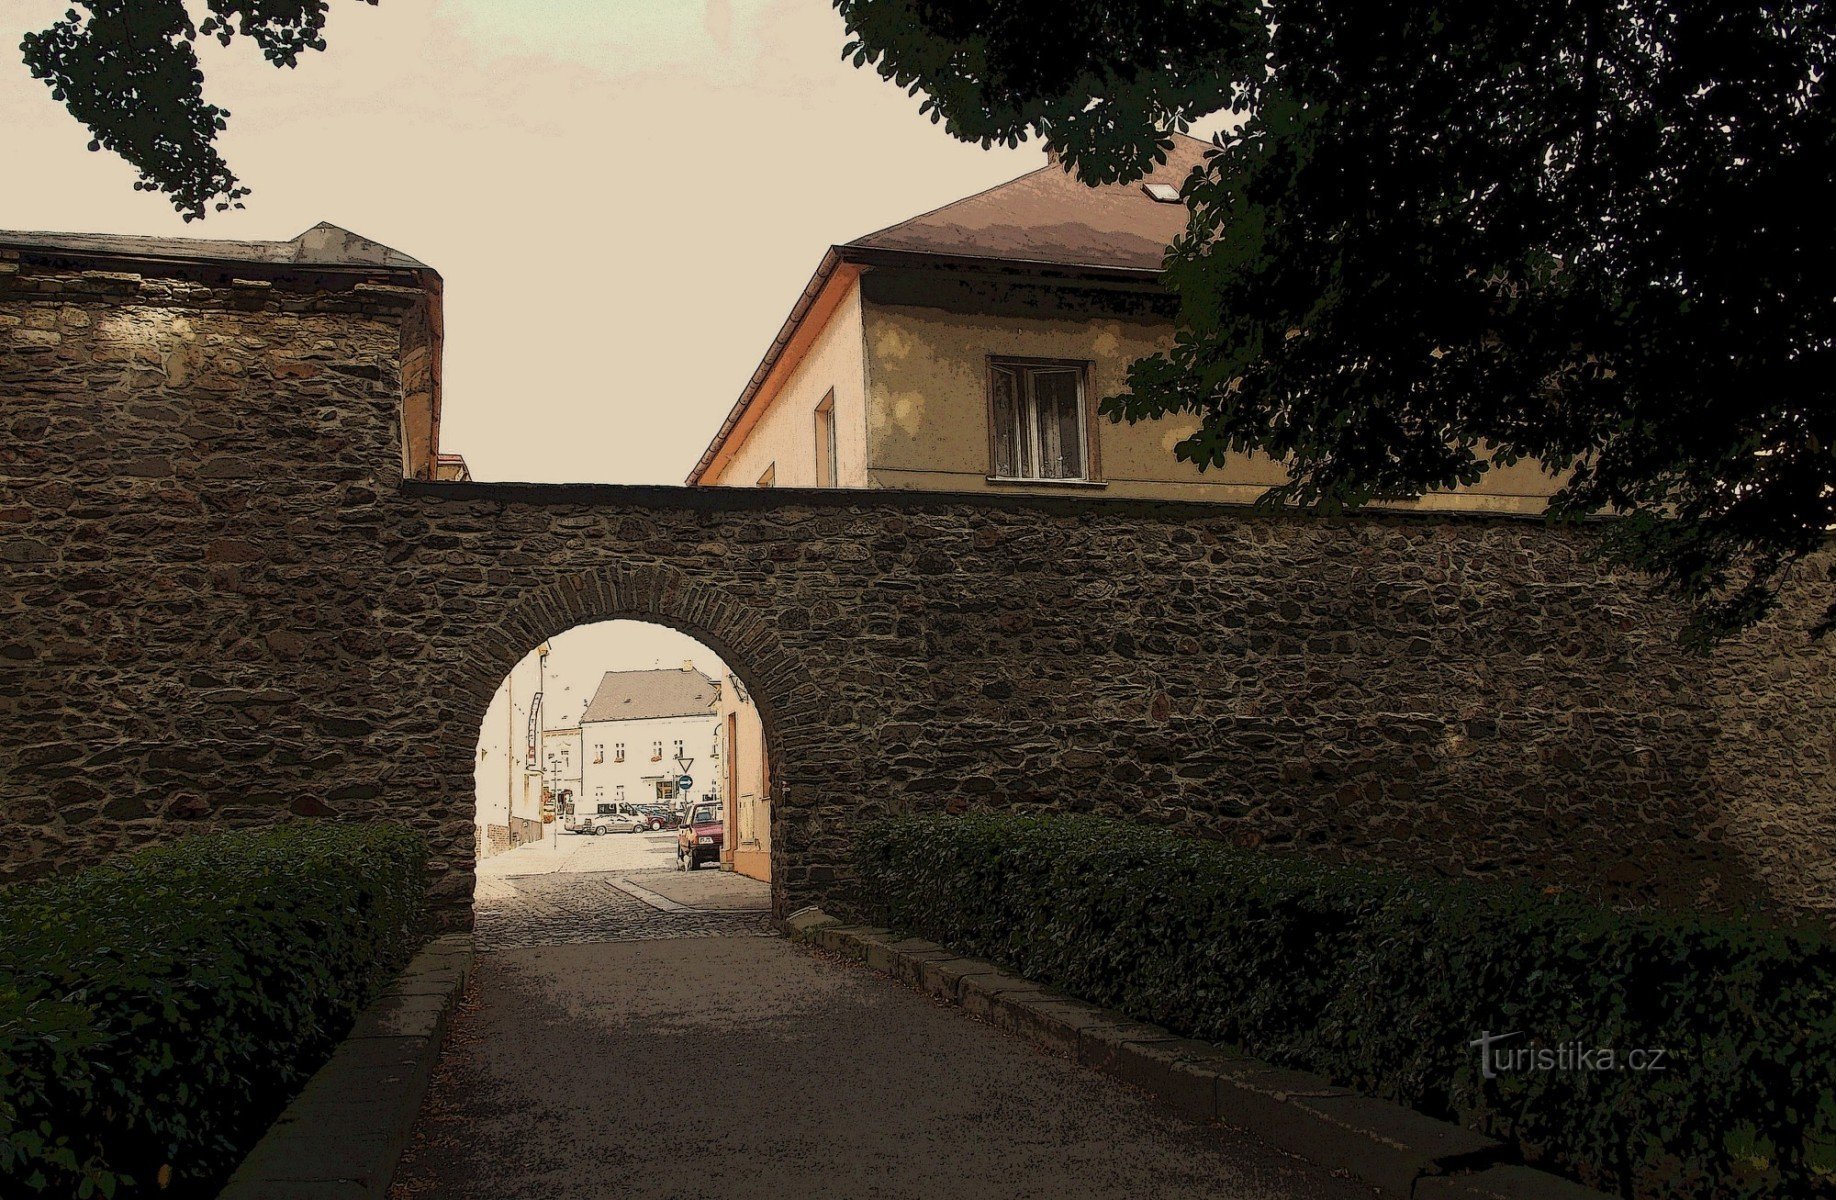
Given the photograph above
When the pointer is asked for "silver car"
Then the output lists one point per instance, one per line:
(606, 822)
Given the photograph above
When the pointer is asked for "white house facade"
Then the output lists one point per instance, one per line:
(642, 731)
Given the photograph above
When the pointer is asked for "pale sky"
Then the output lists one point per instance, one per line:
(624, 198)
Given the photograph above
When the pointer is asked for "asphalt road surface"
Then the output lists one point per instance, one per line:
(638, 1062)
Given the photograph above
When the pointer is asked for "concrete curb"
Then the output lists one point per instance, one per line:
(341, 1137)
(662, 903)
(1395, 1149)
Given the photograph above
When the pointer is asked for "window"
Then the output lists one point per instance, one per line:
(599, 752)
(656, 752)
(1037, 422)
(770, 477)
(678, 749)
(618, 793)
(666, 789)
(618, 752)
(825, 441)
(606, 810)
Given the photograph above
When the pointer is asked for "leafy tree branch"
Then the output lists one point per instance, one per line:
(128, 70)
(1452, 234)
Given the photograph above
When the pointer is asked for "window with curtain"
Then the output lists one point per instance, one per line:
(1037, 420)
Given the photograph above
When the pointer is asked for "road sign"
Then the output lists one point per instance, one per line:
(684, 782)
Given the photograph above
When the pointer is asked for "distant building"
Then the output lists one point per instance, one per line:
(508, 771)
(644, 729)
(561, 760)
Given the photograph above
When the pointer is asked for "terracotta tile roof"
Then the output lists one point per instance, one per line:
(1049, 217)
(642, 695)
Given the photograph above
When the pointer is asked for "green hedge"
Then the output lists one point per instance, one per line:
(1381, 981)
(158, 1011)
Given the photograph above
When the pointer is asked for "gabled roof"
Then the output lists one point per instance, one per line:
(643, 695)
(1044, 220)
(324, 245)
(1049, 217)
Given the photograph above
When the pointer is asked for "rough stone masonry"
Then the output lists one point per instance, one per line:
(225, 606)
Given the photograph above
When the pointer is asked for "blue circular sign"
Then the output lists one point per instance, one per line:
(684, 782)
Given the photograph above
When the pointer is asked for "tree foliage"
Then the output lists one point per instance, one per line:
(1451, 234)
(128, 69)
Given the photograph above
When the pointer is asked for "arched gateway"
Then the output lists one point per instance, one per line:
(660, 596)
(235, 593)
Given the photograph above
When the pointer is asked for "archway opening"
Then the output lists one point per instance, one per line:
(627, 757)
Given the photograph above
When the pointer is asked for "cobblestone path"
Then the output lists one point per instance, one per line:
(561, 909)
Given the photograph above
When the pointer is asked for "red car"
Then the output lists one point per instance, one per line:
(699, 839)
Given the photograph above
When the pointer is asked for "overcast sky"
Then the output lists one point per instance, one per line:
(624, 198)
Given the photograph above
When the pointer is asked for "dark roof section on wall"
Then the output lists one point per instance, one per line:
(1047, 216)
(324, 245)
(643, 695)
(325, 256)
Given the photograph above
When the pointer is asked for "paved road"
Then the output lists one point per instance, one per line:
(575, 852)
(740, 1065)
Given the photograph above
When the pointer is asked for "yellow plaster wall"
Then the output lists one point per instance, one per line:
(927, 416)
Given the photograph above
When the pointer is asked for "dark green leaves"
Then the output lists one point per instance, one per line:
(127, 70)
(158, 1011)
(1454, 233)
(1381, 981)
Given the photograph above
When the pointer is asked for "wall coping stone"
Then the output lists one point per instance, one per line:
(1400, 1152)
(677, 498)
(344, 1133)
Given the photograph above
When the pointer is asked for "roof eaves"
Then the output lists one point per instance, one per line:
(891, 256)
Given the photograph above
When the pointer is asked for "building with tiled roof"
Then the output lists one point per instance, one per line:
(641, 732)
(967, 349)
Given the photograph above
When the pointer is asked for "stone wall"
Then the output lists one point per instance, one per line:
(223, 606)
(495, 839)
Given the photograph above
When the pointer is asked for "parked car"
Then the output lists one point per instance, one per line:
(660, 816)
(699, 839)
(627, 811)
(611, 818)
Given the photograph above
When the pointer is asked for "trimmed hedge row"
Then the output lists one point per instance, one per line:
(1382, 981)
(157, 1012)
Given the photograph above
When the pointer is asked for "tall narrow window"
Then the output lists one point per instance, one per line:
(656, 752)
(618, 752)
(825, 441)
(1037, 420)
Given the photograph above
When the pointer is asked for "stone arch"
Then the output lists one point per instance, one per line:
(670, 597)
